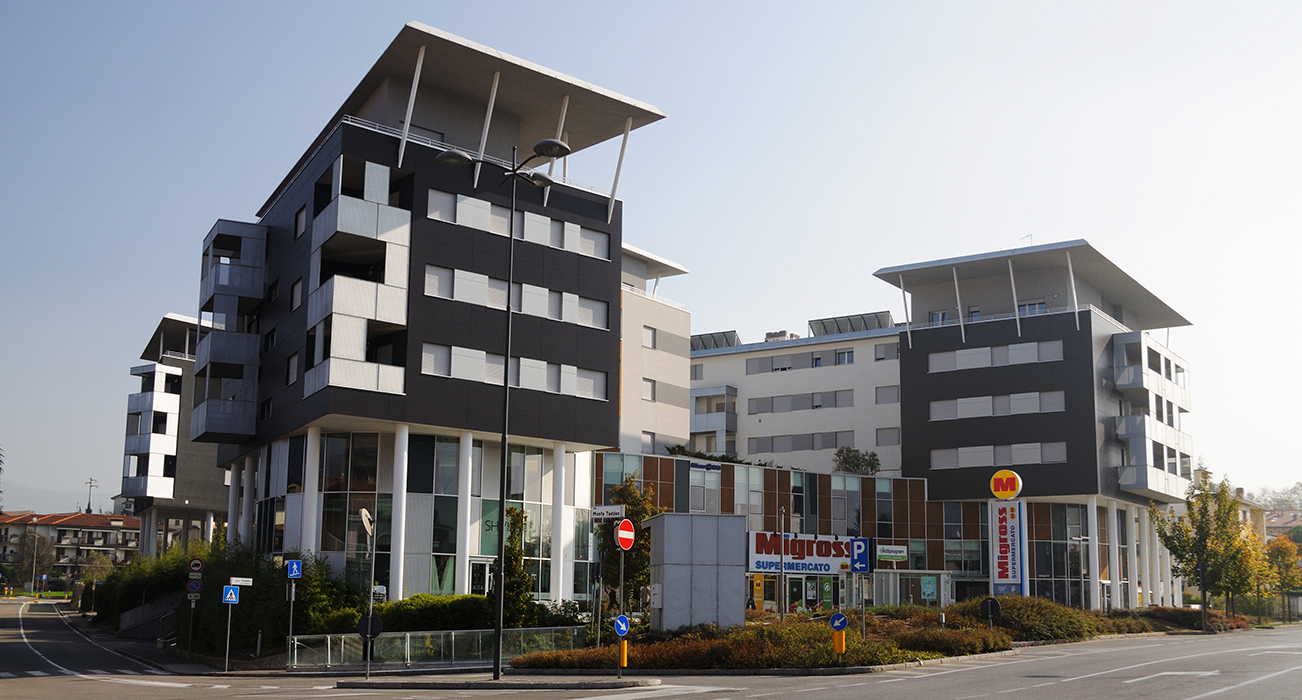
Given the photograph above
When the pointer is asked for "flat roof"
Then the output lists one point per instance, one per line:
(458, 66)
(656, 266)
(791, 342)
(1087, 263)
(172, 328)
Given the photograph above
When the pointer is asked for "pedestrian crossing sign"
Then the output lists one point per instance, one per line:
(231, 594)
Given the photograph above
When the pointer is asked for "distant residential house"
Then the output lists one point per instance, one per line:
(74, 537)
(1279, 522)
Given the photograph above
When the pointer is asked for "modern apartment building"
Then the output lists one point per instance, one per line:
(1037, 360)
(174, 490)
(356, 358)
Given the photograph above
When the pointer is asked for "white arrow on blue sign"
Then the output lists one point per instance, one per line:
(839, 622)
(295, 568)
(859, 549)
(621, 625)
(231, 594)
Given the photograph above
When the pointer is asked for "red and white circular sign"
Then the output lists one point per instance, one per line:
(624, 534)
(196, 565)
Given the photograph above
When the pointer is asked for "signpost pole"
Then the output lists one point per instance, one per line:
(291, 615)
(782, 565)
(189, 642)
(619, 670)
(228, 637)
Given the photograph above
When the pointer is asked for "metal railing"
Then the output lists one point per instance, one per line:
(455, 647)
(647, 295)
(442, 146)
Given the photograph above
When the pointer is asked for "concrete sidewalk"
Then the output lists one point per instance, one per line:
(485, 682)
(146, 653)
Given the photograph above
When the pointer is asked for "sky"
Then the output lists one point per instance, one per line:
(806, 145)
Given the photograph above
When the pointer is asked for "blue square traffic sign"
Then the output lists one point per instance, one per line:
(860, 555)
(231, 594)
(294, 568)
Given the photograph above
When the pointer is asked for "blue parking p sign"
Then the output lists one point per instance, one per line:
(860, 555)
(231, 594)
(295, 568)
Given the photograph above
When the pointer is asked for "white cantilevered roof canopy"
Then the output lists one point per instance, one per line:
(656, 266)
(533, 93)
(1086, 263)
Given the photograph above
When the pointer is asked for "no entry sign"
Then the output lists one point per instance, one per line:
(624, 534)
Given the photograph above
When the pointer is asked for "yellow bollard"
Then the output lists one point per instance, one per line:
(623, 653)
(838, 642)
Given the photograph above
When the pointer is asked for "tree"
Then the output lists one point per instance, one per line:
(1282, 556)
(1295, 534)
(96, 566)
(638, 506)
(1289, 498)
(848, 459)
(44, 553)
(1209, 533)
(518, 608)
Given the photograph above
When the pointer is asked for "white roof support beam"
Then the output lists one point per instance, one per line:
(411, 104)
(610, 208)
(1017, 316)
(907, 330)
(962, 329)
(560, 129)
(488, 117)
(1075, 306)
(565, 161)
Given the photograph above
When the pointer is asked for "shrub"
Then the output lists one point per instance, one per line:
(1029, 619)
(429, 612)
(1119, 622)
(955, 642)
(1191, 618)
(794, 644)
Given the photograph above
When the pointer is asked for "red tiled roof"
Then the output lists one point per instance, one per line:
(1283, 519)
(81, 520)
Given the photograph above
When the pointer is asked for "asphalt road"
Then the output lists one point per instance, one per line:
(41, 657)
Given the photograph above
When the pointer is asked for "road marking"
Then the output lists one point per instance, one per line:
(96, 671)
(1175, 673)
(806, 690)
(1254, 680)
(6, 674)
(1162, 661)
(969, 697)
(851, 685)
(664, 690)
(1012, 690)
(219, 687)
(128, 672)
(157, 672)
(892, 680)
(1041, 685)
(37, 673)
(1275, 652)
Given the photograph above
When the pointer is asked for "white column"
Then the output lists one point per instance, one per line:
(559, 540)
(461, 575)
(1145, 558)
(209, 523)
(311, 468)
(398, 528)
(1150, 535)
(233, 504)
(248, 498)
(143, 545)
(1132, 557)
(1114, 553)
(1092, 547)
(1173, 595)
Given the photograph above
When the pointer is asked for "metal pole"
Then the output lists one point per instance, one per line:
(499, 575)
(782, 564)
(619, 649)
(228, 637)
(293, 645)
(370, 608)
(189, 642)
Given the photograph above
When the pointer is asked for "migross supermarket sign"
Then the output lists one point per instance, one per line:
(812, 554)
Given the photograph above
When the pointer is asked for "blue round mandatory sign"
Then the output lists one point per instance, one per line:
(839, 622)
(621, 625)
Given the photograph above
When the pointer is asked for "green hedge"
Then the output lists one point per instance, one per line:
(955, 642)
(1191, 618)
(1033, 619)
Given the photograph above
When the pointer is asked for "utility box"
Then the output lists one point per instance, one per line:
(698, 561)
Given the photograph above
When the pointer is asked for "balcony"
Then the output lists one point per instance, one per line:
(233, 279)
(150, 486)
(1153, 483)
(226, 348)
(154, 401)
(351, 374)
(147, 443)
(714, 422)
(358, 298)
(359, 217)
(222, 420)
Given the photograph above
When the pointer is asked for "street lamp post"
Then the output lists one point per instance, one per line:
(547, 148)
(1083, 541)
(32, 553)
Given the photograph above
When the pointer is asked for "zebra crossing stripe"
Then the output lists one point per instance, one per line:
(127, 672)
(97, 671)
(6, 674)
(156, 672)
(37, 673)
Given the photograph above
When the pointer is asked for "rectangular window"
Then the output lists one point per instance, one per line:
(300, 222)
(1030, 308)
(648, 443)
(781, 363)
(436, 360)
(974, 313)
(439, 282)
(1053, 452)
(296, 294)
(264, 410)
(698, 372)
(1050, 351)
(648, 337)
(273, 291)
(269, 341)
(937, 318)
(888, 436)
(590, 384)
(886, 351)
(291, 369)
(1052, 401)
(496, 294)
(944, 410)
(888, 394)
(845, 357)
(648, 389)
(442, 206)
(845, 398)
(592, 313)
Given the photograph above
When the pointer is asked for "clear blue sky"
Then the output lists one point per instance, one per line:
(806, 146)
